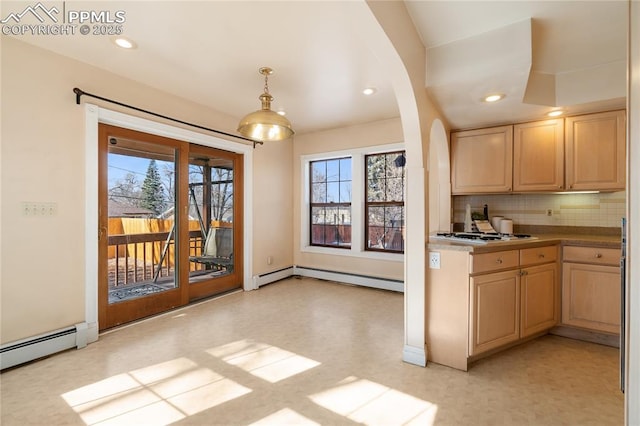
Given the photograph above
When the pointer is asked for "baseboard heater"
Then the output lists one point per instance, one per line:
(348, 278)
(32, 348)
(273, 276)
(324, 274)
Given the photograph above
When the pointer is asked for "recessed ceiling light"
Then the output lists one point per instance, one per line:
(369, 91)
(493, 98)
(554, 113)
(125, 43)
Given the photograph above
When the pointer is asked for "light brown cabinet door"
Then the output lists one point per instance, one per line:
(482, 160)
(595, 151)
(538, 156)
(538, 289)
(591, 296)
(495, 310)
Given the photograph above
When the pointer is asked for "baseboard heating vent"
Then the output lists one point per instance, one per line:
(26, 350)
(348, 278)
(273, 276)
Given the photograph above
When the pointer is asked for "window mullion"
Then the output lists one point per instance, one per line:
(357, 203)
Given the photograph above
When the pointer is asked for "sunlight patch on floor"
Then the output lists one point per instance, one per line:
(159, 394)
(286, 416)
(262, 360)
(367, 402)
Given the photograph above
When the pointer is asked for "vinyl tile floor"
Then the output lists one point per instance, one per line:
(304, 352)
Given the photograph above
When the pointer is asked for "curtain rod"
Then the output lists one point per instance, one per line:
(79, 93)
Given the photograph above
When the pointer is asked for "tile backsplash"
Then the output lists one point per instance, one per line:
(600, 209)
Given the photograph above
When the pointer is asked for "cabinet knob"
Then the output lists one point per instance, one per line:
(541, 256)
(498, 261)
(598, 255)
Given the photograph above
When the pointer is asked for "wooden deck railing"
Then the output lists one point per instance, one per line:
(138, 258)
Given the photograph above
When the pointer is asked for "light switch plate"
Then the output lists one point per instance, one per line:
(32, 209)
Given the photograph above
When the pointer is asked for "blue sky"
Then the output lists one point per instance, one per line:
(120, 165)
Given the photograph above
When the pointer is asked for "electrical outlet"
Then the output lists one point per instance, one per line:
(434, 259)
(549, 212)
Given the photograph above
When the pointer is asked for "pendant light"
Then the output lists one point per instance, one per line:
(264, 124)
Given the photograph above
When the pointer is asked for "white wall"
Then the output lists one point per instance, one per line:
(632, 395)
(394, 39)
(439, 179)
(42, 155)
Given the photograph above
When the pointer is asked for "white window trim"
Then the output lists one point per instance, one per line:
(357, 203)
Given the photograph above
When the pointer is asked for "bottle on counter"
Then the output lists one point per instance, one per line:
(468, 223)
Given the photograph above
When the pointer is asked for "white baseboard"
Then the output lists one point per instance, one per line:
(345, 277)
(414, 355)
(35, 347)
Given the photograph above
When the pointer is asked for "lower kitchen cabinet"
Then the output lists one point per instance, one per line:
(591, 289)
(511, 305)
(478, 303)
(495, 310)
(539, 301)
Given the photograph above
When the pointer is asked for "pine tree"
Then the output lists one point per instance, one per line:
(153, 197)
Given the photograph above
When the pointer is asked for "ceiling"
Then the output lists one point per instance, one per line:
(540, 54)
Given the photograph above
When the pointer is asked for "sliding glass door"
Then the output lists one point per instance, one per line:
(213, 214)
(153, 254)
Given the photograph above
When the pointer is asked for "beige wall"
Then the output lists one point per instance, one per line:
(42, 154)
(362, 136)
(273, 207)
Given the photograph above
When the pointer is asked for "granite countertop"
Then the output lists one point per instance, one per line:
(573, 236)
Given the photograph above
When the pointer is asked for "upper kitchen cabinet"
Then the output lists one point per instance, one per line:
(595, 151)
(538, 156)
(482, 160)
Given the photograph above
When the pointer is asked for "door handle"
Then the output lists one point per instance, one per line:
(102, 232)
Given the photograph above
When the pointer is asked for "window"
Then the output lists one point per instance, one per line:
(384, 202)
(330, 202)
(334, 217)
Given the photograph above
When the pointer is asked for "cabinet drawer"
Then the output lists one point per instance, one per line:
(487, 262)
(594, 255)
(538, 255)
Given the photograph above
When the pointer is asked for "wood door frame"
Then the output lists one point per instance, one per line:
(93, 115)
(109, 314)
(228, 282)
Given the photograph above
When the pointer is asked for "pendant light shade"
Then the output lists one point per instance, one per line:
(265, 124)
